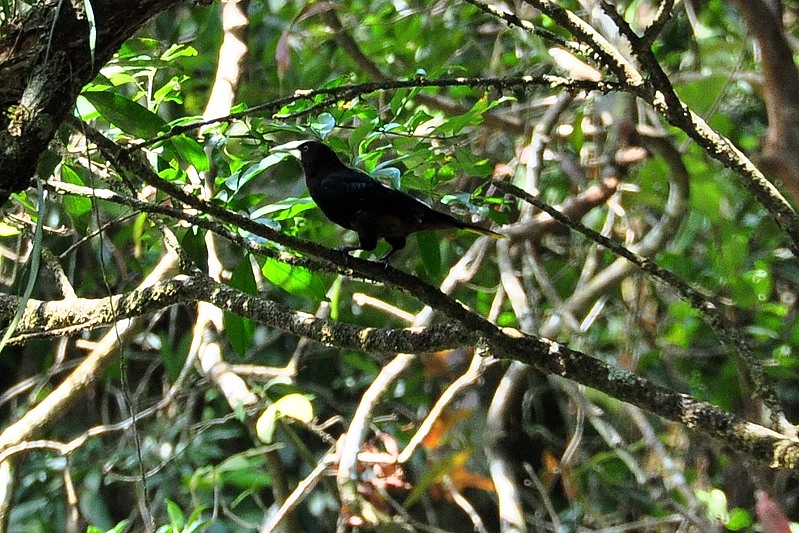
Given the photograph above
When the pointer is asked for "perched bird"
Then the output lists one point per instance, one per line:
(354, 200)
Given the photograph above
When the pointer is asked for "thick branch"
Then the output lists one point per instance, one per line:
(546, 356)
(344, 92)
(73, 315)
(757, 441)
(45, 60)
(780, 86)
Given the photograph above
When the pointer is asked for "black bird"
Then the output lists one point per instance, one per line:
(356, 201)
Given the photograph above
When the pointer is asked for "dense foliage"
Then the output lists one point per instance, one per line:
(211, 414)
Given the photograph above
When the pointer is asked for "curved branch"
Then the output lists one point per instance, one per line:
(780, 86)
(334, 94)
(351, 47)
(63, 317)
(547, 356)
(45, 60)
(759, 442)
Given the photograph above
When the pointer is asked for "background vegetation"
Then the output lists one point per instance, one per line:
(186, 349)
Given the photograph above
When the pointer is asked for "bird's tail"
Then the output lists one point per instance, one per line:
(482, 231)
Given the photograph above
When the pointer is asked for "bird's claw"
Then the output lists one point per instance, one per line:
(345, 253)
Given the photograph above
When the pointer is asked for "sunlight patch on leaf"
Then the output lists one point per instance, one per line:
(285, 209)
(296, 406)
(296, 280)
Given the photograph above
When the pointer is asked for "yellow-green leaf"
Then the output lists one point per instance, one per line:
(295, 280)
(294, 406)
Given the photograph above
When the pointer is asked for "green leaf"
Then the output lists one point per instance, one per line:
(240, 178)
(178, 50)
(47, 163)
(296, 280)
(137, 234)
(430, 252)
(191, 151)
(359, 134)
(169, 92)
(324, 124)
(193, 243)
(391, 174)
(176, 518)
(700, 95)
(77, 207)
(240, 330)
(739, 519)
(129, 116)
(285, 209)
(173, 358)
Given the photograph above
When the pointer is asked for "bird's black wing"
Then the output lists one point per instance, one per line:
(353, 199)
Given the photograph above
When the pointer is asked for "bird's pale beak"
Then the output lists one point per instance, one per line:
(290, 148)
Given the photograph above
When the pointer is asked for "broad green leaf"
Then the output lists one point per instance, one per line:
(700, 95)
(285, 209)
(239, 179)
(176, 518)
(324, 124)
(131, 117)
(193, 243)
(191, 151)
(47, 163)
(240, 330)
(77, 207)
(739, 519)
(390, 174)
(173, 358)
(242, 277)
(359, 134)
(430, 253)
(295, 280)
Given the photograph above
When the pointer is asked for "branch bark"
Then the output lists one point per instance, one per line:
(45, 60)
(780, 155)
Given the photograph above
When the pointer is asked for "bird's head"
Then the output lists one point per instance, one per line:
(313, 155)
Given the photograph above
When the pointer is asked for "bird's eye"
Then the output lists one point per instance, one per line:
(304, 148)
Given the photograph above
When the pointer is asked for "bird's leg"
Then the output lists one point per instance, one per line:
(366, 242)
(345, 252)
(386, 257)
(348, 249)
(397, 244)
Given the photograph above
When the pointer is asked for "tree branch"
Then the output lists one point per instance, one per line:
(545, 355)
(45, 60)
(780, 154)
